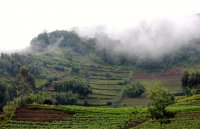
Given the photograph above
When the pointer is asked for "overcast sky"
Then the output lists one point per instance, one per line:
(21, 20)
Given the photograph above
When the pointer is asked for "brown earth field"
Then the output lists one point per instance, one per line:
(23, 114)
(174, 73)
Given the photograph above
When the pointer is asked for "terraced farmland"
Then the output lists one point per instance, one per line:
(106, 81)
(186, 120)
(75, 117)
(81, 117)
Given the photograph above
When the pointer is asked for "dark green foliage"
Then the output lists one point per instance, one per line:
(25, 83)
(136, 90)
(38, 98)
(65, 98)
(3, 96)
(7, 92)
(190, 81)
(75, 85)
(10, 64)
(75, 70)
(59, 68)
(124, 82)
(185, 79)
(157, 108)
(109, 103)
(62, 39)
(48, 102)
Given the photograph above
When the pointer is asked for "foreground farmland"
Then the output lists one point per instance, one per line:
(75, 117)
(81, 117)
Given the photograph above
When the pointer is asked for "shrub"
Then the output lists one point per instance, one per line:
(65, 98)
(38, 98)
(109, 103)
(124, 82)
(10, 109)
(78, 86)
(59, 68)
(136, 90)
(75, 70)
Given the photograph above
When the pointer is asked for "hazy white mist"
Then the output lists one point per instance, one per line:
(140, 27)
(148, 39)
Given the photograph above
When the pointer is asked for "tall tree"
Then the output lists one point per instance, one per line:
(25, 82)
(161, 98)
(185, 79)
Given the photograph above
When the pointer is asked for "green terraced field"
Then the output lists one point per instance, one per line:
(104, 88)
(83, 118)
(187, 117)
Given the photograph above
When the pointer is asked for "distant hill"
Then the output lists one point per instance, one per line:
(187, 55)
(61, 55)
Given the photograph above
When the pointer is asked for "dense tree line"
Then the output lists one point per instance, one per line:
(62, 39)
(7, 92)
(10, 64)
(53, 98)
(77, 86)
(23, 84)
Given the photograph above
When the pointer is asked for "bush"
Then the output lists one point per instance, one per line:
(75, 70)
(78, 86)
(136, 90)
(109, 103)
(38, 98)
(124, 82)
(65, 98)
(59, 68)
(10, 109)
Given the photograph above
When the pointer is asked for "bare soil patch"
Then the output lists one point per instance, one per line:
(175, 73)
(23, 114)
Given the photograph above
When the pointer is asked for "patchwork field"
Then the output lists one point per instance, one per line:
(75, 117)
(107, 81)
(81, 117)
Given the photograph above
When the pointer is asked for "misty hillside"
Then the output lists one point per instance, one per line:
(65, 46)
(100, 64)
(63, 57)
(65, 69)
(185, 56)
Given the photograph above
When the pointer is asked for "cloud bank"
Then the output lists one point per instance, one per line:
(147, 39)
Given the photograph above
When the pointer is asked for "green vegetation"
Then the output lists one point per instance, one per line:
(190, 82)
(83, 117)
(75, 85)
(76, 73)
(136, 90)
(113, 118)
(160, 100)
